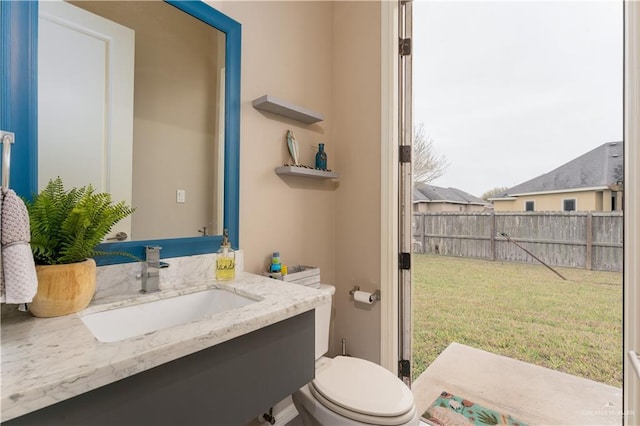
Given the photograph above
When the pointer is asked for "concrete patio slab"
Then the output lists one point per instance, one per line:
(532, 394)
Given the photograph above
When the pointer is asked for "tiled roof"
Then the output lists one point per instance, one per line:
(600, 167)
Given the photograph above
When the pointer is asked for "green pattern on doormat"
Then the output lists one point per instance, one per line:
(448, 410)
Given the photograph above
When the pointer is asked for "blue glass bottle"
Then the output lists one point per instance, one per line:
(321, 158)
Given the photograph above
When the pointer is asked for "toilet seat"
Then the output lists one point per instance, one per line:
(363, 391)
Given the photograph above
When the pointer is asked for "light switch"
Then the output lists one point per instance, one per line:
(181, 196)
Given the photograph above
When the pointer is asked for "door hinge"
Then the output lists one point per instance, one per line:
(405, 47)
(405, 153)
(404, 368)
(404, 261)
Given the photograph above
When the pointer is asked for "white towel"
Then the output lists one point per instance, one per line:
(18, 279)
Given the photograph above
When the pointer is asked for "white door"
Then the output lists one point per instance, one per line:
(632, 216)
(405, 178)
(85, 102)
(396, 201)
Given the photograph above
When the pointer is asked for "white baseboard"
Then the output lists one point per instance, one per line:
(286, 415)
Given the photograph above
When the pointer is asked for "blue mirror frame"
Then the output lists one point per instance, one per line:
(19, 106)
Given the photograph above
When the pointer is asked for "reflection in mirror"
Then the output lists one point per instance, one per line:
(144, 90)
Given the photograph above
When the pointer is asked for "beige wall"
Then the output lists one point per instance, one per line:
(324, 56)
(165, 121)
(175, 101)
(286, 53)
(585, 201)
(357, 112)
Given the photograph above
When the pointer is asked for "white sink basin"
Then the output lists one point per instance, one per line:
(121, 323)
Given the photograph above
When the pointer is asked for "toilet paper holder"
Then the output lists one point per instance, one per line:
(375, 296)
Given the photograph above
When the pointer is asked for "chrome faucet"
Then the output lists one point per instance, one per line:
(151, 270)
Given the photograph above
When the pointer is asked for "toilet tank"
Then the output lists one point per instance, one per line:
(323, 322)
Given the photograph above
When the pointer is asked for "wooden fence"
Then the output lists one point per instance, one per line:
(591, 240)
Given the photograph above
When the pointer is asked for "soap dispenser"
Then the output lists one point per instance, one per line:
(225, 260)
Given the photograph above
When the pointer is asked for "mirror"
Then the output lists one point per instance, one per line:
(142, 83)
(179, 113)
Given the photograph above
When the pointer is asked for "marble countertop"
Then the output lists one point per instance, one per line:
(47, 360)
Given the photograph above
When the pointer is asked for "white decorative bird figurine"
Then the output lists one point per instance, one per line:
(293, 147)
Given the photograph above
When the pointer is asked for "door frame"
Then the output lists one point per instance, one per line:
(393, 347)
(405, 187)
(389, 188)
(631, 292)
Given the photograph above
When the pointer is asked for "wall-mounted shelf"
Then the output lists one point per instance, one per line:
(304, 172)
(276, 106)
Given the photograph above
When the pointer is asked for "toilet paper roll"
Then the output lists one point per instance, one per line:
(363, 297)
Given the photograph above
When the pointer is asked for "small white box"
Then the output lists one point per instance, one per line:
(299, 274)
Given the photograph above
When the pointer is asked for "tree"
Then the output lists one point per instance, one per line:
(493, 192)
(428, 165)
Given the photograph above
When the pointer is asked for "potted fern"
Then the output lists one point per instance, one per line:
(66, 227)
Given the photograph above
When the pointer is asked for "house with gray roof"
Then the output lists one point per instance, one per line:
(591, 182)
(429, 198)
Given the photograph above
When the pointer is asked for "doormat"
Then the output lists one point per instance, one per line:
(449, 410)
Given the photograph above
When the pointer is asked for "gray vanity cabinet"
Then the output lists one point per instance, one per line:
(227, 384)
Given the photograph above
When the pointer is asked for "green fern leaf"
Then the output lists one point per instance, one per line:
(66, 226)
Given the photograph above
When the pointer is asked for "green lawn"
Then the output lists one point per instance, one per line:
(518, 310)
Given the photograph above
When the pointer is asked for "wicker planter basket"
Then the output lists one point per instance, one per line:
(64, 289)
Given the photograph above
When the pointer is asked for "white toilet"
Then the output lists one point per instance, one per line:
(351, 391)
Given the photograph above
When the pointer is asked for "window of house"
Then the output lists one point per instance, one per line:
(569, 205)
(529, 206)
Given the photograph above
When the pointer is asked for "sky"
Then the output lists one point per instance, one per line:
(509, 90)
